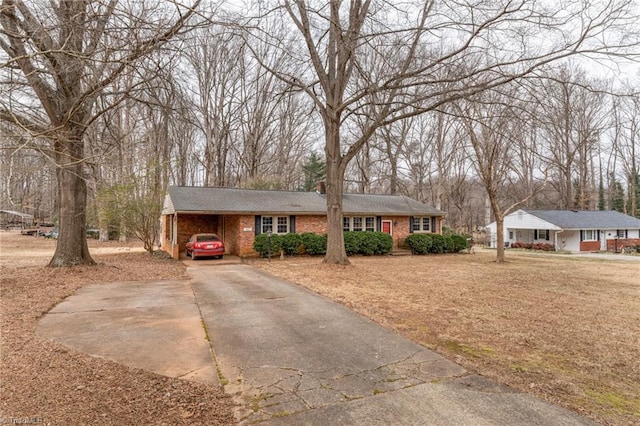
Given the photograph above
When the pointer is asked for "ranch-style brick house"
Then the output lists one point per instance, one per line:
(570, 230)
(238, 215)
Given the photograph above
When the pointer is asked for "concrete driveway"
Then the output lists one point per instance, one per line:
(288, 356)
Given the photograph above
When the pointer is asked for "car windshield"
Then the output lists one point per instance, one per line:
(208, 238)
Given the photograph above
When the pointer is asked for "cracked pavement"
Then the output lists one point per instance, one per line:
(290, 356)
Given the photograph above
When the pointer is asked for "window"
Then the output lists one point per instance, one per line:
(370, 224)
(267, 224)
(540, 234)
(621, 233)
(589, 235)
(281, 224)
(359, 223)
(511, 235)
(421, 224)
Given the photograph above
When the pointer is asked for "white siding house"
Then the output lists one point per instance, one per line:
(569, 230)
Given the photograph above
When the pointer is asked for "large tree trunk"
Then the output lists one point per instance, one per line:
(72, 248)
(336, 252)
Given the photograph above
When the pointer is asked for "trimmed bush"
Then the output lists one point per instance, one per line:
(435, 243)
(351, 242)
(314, 244)
(261, 245)
(459, 243)
(367, 243)
(384, 243)
(363, 243)
(291, 244)
(438, 243)
(419, 243)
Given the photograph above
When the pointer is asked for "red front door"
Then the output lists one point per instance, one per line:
(386, 226)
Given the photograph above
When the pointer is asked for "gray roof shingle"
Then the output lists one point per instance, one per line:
(587, 219)
(252, 201)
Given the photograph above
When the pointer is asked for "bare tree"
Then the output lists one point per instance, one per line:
(215, 59)
(626, 146)
(434, 55)
(572, 116)
(493, 128)
(57, 58)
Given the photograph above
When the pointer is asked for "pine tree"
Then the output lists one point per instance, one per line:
(602, 203)
(617, 198)
(315, 170)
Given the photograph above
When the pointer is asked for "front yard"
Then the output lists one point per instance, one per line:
(564, 329)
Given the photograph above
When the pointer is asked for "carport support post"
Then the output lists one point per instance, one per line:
(615, 244)
(269, 245)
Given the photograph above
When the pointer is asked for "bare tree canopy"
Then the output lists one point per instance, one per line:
(432, 53)
(57, 58)
(116, 99)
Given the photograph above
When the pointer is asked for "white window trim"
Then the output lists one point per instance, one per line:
(364, 223)
(547, 235)
(274, 224)
(594, 235)
(420, 221)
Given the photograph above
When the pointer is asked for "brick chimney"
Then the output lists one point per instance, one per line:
(321, 187)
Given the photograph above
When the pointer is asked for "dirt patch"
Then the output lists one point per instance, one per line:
(563, 329)
(45, 382)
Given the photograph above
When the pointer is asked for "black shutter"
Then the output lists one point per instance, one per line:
(258, 227)
(598, 232)
(581, 235)
(411, 219)
(548, 232)
(379, 223)
(535, 234)
(292, 224)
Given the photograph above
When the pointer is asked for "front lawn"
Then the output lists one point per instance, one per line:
(564, 329)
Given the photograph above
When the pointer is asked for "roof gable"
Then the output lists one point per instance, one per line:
(521, 219)
(252, 201)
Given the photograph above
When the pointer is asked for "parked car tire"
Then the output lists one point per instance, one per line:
(218, 257)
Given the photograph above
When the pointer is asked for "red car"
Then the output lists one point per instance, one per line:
(200, 245)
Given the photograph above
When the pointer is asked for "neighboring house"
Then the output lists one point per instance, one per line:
(238, 215)
(571, 230)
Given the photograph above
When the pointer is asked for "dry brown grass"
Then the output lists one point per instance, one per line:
(564, 329)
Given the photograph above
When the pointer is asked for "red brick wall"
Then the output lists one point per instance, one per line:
(189, 224)
(589, 245)
(232, 234)
(315, 224)
(246, 235)
(401, 228)
(239, 232)
(622, 242)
